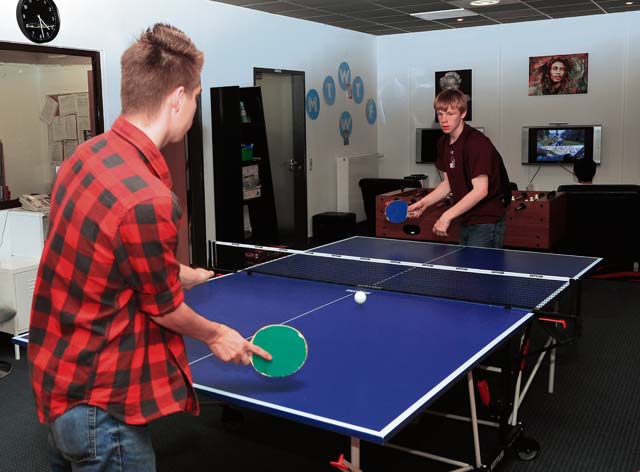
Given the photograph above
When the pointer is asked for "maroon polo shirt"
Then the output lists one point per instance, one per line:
(470, 156)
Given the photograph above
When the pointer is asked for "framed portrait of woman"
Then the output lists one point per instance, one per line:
(458, 80)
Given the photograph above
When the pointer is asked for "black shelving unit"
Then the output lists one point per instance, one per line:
(230, 133)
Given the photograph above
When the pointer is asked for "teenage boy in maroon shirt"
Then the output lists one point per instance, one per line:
(471, 167)
(105, 343)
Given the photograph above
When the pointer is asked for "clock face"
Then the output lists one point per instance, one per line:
(38, 19)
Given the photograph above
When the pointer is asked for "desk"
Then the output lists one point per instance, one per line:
(17, 282)
(22, 235)
(536, 224)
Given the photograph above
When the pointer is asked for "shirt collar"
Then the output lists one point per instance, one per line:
(465, 131)
(462, 137)
(152, 156)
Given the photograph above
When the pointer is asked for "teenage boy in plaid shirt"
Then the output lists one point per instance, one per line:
(105, 344)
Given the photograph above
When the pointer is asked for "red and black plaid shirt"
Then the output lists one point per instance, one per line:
(107, 269)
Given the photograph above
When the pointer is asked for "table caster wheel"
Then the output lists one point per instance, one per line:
(527, 448)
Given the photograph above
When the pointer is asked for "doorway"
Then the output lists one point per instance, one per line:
(283, 96)
(52, 102)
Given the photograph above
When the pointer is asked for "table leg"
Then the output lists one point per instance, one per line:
(474, 419)
(16, 351)
(552, 369)
(354, 464)
(355, 453)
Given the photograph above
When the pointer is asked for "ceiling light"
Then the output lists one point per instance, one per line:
(444, 14)
(628, 3)
(483, 3)
(460, 19)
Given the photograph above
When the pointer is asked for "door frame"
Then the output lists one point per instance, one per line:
(196, 216)
(301, 218)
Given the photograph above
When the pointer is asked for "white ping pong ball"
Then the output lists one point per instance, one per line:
(360, 297)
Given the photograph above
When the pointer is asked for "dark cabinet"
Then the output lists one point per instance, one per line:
(241, 169)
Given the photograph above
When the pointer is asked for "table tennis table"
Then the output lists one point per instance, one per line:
(433, 313)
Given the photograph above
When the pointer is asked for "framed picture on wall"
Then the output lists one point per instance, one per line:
(559, 74)
(456, 79)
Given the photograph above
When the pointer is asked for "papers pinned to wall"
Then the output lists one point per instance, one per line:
(70, 146)
(49, 110)
(67, 104)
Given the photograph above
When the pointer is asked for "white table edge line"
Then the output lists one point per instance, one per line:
(342, 424)
(588, 268)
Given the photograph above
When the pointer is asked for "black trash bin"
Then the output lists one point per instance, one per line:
(332, 226)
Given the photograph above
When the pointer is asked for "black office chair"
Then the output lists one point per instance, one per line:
(372, 187)
(5, 315)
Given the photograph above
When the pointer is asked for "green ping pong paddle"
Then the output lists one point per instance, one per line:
(287, 347)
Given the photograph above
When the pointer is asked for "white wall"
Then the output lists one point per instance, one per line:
(20, 129)
(234, 41)
(498, 56)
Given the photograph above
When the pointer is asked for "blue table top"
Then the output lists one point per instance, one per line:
(371, 367)
(525, 262)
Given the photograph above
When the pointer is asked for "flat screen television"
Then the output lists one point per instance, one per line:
(561, 144)
(426, 144)
(426, 140)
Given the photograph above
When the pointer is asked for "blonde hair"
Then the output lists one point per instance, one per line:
(162, 59)
(450, 98)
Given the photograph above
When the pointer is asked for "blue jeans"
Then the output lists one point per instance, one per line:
(483, 235)
(88, 439)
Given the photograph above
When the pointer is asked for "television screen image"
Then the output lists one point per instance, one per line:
(560, 145)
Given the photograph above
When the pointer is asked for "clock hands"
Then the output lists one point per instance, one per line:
(42, 23)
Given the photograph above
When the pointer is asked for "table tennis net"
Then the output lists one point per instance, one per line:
(528, 292)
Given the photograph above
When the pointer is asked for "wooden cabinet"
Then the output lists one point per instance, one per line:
(534, 220)
(237, 118)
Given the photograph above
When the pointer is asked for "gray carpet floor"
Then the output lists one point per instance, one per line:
(590, 423)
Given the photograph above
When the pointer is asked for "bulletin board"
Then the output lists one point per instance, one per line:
(69, 123)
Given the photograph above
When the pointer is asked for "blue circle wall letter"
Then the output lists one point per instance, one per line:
(346, 125)
(344, 75)
(358, 90)
(371, 111)
(329, 90)
(313, 104)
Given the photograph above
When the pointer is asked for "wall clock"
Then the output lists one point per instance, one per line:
(38, 19)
